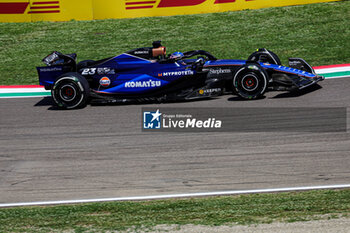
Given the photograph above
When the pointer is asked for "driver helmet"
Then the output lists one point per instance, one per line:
(176, 55)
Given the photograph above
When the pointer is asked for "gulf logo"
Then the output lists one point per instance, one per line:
(105, 81)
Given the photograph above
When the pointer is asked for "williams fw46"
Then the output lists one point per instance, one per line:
(148, 74)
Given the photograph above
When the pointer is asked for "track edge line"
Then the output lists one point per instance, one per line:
(169, 196)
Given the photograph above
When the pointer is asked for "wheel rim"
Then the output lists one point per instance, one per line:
(250, 82)
(68, 92)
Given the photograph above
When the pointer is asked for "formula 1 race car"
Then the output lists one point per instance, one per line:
(148, 74)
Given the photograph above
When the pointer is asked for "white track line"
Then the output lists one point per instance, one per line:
(185, 195)
(347, 76)
(332, 70)
(20, 97)
(23, 90)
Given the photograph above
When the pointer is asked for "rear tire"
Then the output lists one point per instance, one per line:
(70, 91)
(250, 82)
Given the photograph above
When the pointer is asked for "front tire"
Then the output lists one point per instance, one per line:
(250, 82)
(70, 91)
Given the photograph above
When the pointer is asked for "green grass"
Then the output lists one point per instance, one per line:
(318, 32)
(214, 211)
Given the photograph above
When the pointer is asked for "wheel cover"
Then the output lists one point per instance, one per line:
(249, 82)
(68, 92)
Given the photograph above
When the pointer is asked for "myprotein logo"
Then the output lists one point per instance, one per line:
(37, 7)
(144, 4)
(176, 73)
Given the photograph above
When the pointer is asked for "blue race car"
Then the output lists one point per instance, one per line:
(147, 74)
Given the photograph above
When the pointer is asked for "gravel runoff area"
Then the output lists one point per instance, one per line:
(340, 225)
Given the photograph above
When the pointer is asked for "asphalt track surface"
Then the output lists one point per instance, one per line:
(101, 152)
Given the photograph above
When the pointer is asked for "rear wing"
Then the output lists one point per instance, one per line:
(56, 65)
(57, 58)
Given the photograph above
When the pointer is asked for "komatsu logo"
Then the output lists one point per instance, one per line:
(149, 83)
(176, 73)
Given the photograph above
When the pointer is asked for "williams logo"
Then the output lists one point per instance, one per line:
(152, 120)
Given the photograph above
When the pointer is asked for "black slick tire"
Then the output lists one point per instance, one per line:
(250, 82)
(70, 91)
